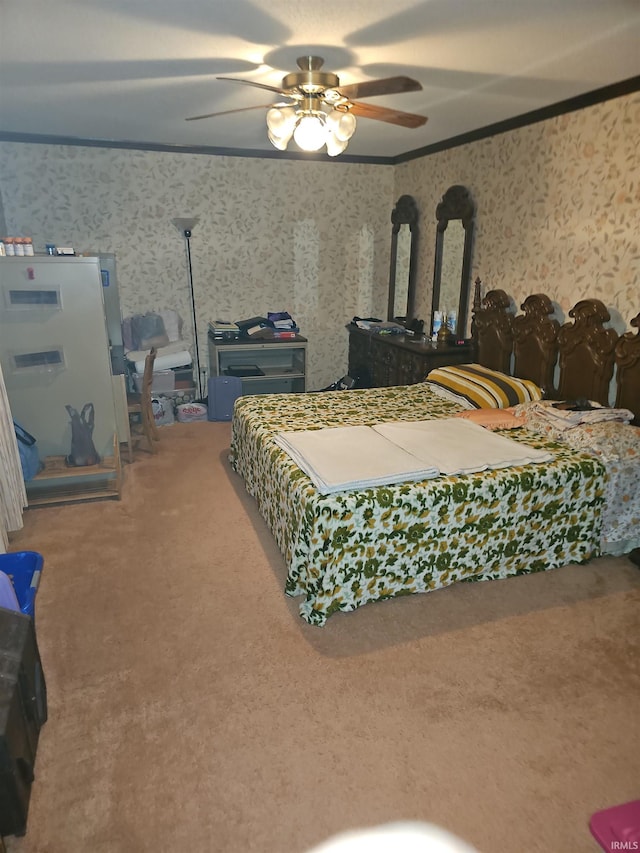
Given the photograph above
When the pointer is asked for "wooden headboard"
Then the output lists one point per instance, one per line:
(532, 346)
(627, 357)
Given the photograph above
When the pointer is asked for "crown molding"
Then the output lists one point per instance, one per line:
(580, 102)
(616, 90)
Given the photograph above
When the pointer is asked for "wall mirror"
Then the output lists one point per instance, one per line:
(454, 246)
(404, 249)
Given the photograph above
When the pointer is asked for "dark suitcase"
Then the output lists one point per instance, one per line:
(23, 711)
(223, 391)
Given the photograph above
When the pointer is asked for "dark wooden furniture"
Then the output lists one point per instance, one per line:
(399, 359)
(592, 361)
(627, 358)
(23, 711)
(586, 341)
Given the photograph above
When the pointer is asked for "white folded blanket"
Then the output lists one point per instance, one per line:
(564, 419)
(342, 458)
(175, 354)
(458, 446)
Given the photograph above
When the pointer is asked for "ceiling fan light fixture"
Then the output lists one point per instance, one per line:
(335, 146)
(278, 142)
(281, 121)
(316, 110)
(311, 132)
(342, 124)
(332, 96)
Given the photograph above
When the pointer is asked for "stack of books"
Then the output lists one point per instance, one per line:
(284, 326)
(224, 330)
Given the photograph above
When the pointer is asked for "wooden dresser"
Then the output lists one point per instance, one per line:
(400, 359)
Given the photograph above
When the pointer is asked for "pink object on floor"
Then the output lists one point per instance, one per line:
(617, 828)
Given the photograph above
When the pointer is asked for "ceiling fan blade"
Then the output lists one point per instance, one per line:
(239, 110)
(384, 86)
(388, 115)
(251, 83)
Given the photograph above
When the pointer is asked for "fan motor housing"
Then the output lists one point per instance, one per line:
(310, 82)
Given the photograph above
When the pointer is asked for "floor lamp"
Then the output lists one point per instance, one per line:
(185, 226)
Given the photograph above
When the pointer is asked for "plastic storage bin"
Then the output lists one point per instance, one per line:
(8, 597)
(163, 380)
(24, 569)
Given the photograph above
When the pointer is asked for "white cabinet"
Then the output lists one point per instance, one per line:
(55, 353)
(265, 366)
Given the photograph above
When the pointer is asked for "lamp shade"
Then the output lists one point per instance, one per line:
(185, 223)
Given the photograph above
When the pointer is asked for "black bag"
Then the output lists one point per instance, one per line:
(345, 383)
(360, 378)
(83, 451)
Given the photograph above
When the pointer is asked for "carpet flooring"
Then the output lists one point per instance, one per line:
(191, 709)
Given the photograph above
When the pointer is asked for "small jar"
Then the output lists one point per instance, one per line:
(9, 247)
(19, 247)
(28, 247)
(3, 251)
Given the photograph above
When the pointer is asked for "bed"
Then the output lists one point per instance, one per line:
(346, 548)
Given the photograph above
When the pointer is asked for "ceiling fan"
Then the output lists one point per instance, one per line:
(318, 111)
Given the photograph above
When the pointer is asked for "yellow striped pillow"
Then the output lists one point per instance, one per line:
(483, 388)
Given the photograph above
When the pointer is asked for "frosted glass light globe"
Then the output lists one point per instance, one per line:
(310, 134)
(346, 127)
(342, 124)
(335, 146)
(281, 121)
(277, 142)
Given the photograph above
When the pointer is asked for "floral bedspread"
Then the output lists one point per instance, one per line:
(617, 446)
(343, 550)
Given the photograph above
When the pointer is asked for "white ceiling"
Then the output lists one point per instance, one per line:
(133, 70)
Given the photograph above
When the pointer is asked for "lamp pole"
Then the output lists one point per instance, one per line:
(185, 226)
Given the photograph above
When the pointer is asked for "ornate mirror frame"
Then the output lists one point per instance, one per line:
(405, 213)
(456, 204)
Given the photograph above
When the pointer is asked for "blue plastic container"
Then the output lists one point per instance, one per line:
(24, 569)
(8, 597)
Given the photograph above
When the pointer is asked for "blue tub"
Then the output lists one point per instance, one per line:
(24, 569)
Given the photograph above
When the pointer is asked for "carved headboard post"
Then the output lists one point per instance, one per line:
(493, 332)
(535, 342)
(582, 344)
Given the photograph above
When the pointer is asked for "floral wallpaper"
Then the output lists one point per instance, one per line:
(309, 238)
(558, 204)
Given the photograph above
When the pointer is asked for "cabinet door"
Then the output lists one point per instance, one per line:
(359, 354)
(412, 367)
(383, 364)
